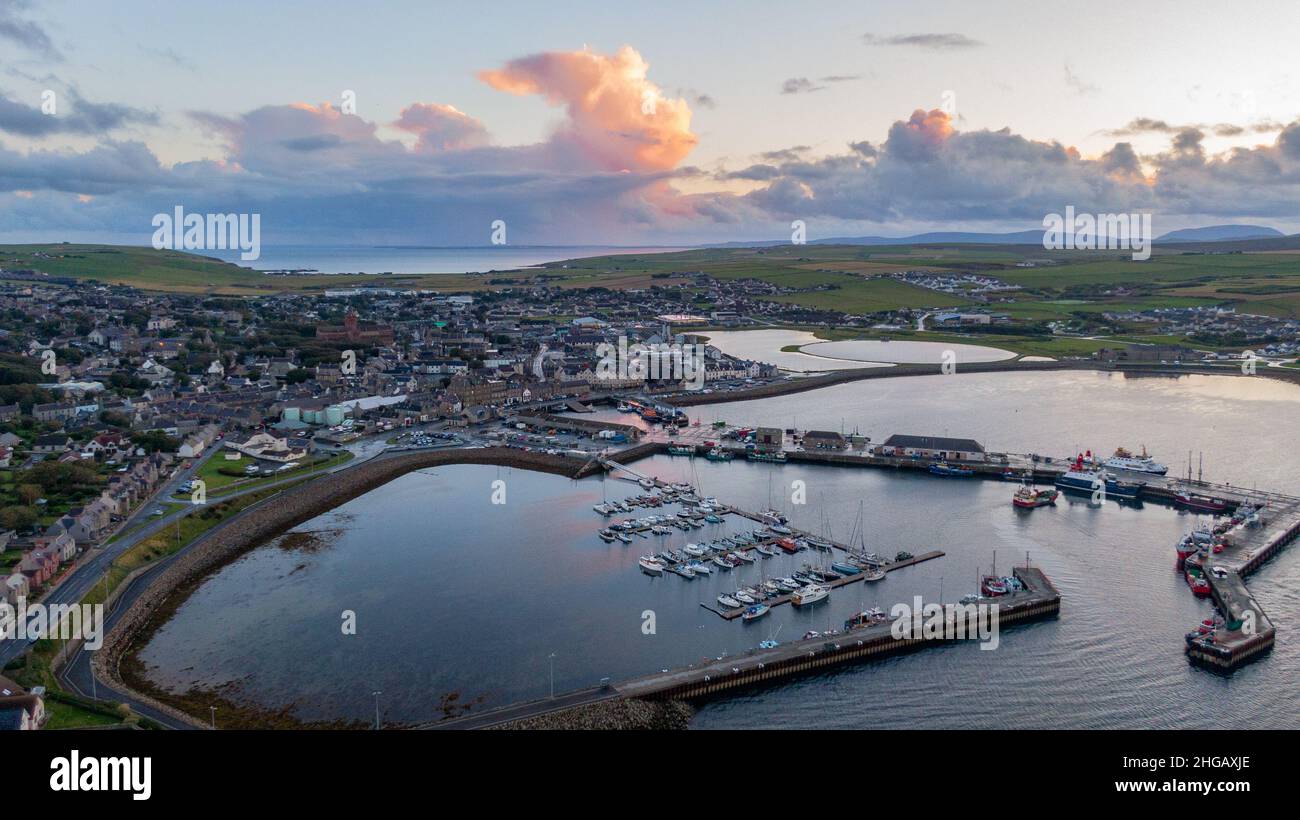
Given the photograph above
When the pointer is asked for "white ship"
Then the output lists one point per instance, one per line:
(1124, 460)
(810, 594)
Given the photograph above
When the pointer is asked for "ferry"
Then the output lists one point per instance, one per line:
(1201, 503)
(944, 469)
(755, 612)
(1082, 480)
(1124, 460)
(1030, 497)
(651, 565)
(810, 594)
(775, 458)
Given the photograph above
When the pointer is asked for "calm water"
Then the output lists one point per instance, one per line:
(818, 356)
(368, 259)
(454, 593)
(903, 352)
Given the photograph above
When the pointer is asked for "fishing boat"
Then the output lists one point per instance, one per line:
(810, 594)
(718, 455)
(788, 545)
(1080, 479)
(694, 549)
(651, 565)
(681, 450)
(1196, 580)
(1029, 498)
(1201, 503)
(1124, 460)
(606, 535)
(683, 570)
(755, 612)
(701, 568)
(728, 602)
(774, 458)
(867, 617)
(943, 468)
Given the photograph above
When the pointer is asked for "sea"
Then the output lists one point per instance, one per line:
(372, 259)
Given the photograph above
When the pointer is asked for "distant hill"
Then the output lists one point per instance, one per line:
(1210, 233)
(1220, 233)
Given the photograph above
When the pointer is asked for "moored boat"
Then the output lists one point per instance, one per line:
(717, 454)
(755, 612)
(728, 602)
(1201, 503)
(651, 565)
(1080, 479)
(1124, 460)
(943, 468)
(810, 594)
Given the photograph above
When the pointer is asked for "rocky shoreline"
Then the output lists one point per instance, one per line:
(668, 715)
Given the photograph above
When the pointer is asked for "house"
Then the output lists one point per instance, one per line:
(6, 455)
(22, 712)
(15, 588)
(52, 443)
(268, 446)
(937, 447)
(39, 565)
(9, 412)
(195, 444)
(824, 440)
(54, 411)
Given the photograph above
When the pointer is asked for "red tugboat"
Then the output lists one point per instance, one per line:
(1186, 549)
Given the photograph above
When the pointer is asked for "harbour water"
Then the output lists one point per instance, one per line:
(453, 593)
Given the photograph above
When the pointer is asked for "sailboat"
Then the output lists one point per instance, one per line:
(871, 571)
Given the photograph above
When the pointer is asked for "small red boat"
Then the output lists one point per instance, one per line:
(788, 545)
(1028, 498)
(1200, 586)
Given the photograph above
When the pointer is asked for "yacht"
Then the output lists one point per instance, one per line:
(651, 565)
(810, 594)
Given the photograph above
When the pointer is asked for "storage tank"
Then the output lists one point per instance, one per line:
(334, 415)
(291, 414)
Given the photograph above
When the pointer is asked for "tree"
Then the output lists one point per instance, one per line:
(29, 493)
(17, 518)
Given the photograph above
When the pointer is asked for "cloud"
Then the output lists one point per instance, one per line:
(617, 119)
(928, 172)
(15, 29)
(803, 85)
(1148, 125)
(441, 127)
(932, 41)
(73, 115)
(1077, 83)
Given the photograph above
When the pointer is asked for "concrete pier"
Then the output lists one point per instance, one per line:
(1038, 600)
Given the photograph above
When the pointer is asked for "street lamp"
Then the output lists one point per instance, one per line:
(551, 658)
(378, 725)
(213, 711)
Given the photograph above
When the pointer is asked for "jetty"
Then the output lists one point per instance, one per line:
(1038, 600)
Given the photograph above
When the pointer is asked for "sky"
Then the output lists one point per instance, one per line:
(642, 123)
